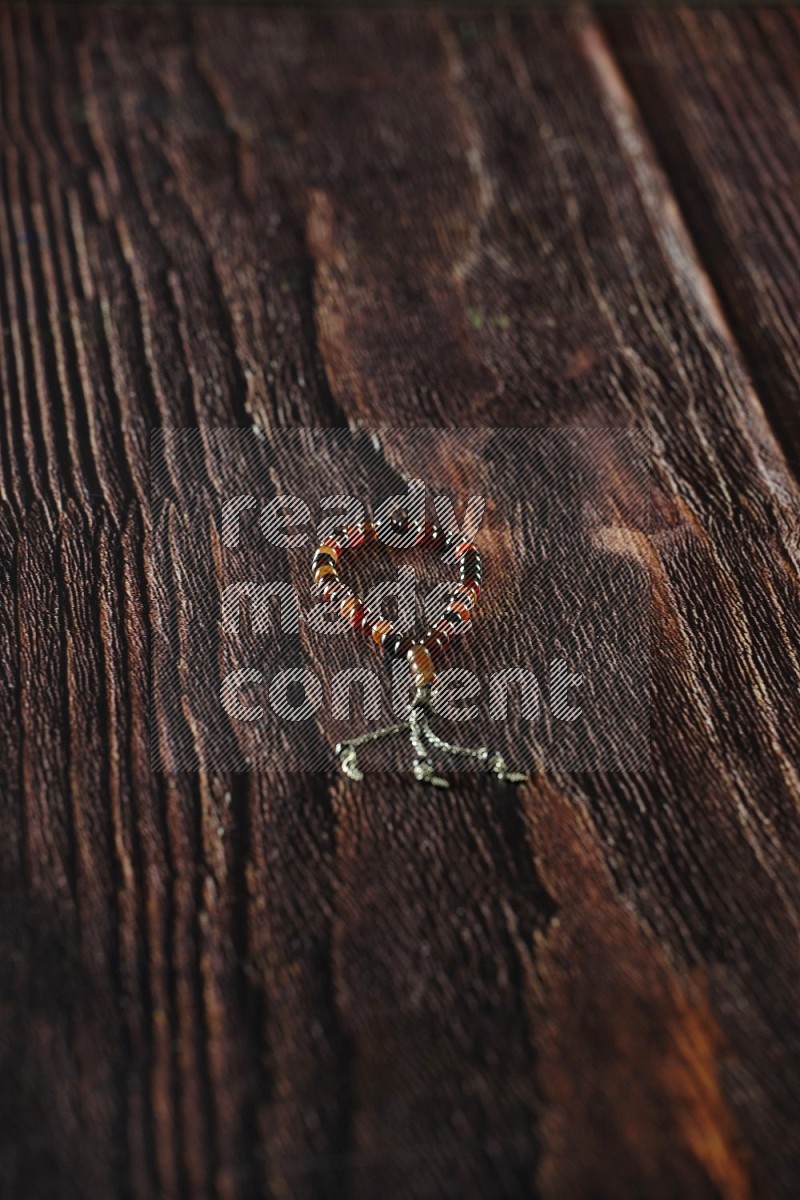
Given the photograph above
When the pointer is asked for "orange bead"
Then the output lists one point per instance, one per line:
(356, 617)
(354, 535)
(455, 606)
(329, 548)
(323, 571)
(348, 606)
(421, 664)
(423, 678)
(463, 547)
(379, 629)
(467, 593)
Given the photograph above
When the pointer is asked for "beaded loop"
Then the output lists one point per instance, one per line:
(418, 652)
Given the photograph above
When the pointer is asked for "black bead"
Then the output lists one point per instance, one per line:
(391, 641)
(470, 566)
(397, 522)
(434, 640)
(397, 644)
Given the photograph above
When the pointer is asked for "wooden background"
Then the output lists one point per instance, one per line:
(251, 986)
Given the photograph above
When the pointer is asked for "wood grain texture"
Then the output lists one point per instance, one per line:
(237, 986)
(720, 95)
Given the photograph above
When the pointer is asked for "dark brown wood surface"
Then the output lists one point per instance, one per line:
(240, 986)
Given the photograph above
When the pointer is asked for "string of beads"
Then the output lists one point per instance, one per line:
(420, 651)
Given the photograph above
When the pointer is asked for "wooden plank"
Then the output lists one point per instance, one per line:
(719, 92)
(247, 217)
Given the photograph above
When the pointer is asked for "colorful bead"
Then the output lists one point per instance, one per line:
(379, 629)
(369, 621)
(321, 559)
(354, 535)
(421, 664)
(396, 522)
(455, 606)
(390, 641)
(396, 644)
(335, 592)
(434, 641)
(470, 565)
(465, 594)
(324, 572)
(334, 549)
(349, 605)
